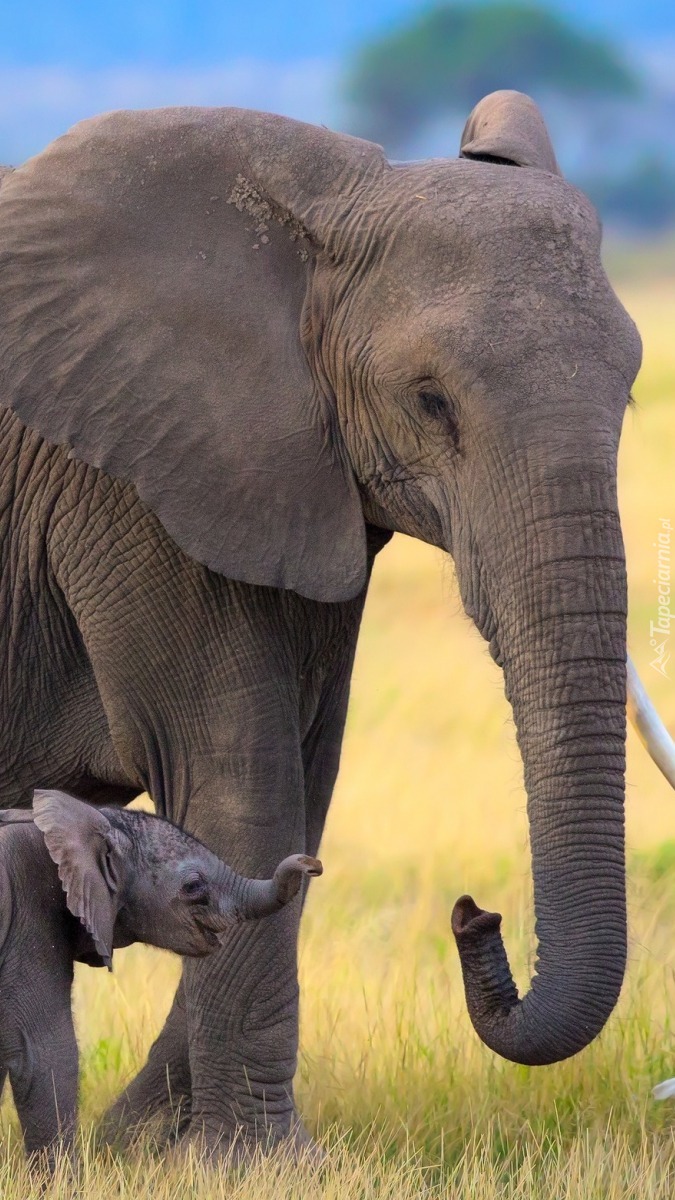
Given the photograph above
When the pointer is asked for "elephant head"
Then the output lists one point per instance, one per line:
(277, 336)
(133, 877)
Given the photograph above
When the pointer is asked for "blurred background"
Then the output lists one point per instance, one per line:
(402, 72)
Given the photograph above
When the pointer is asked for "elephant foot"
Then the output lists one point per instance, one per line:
(158, 1114)
(163, 1124)
(234, 1148)
(305, 1149)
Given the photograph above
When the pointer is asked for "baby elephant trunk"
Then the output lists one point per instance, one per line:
(261, 897)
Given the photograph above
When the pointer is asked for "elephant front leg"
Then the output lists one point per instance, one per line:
(242, 1003)
(44, 1078)
(242, 1016)
(227, 1055)
(240, 1040)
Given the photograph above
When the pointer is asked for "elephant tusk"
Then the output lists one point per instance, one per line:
(665, 1090)
(650, 728)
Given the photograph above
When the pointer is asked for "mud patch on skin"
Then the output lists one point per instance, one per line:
(247, 199)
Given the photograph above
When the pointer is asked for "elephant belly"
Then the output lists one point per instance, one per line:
(53, 728)
(53, 733)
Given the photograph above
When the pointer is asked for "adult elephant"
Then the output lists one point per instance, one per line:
(236, 352)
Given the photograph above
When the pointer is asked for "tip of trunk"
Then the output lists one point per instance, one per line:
(488, 983)
(516, 1029)
(289, 875)
(264, 897)
(470, 922)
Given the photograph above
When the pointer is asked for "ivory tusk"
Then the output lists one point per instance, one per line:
(650, 728)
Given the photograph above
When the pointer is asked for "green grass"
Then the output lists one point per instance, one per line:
(430, 804)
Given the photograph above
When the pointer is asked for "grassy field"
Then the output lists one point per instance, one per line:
(429, 804)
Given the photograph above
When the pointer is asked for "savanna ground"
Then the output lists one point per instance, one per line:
(430, 804)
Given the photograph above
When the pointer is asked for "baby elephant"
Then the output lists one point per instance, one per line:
(76, 882)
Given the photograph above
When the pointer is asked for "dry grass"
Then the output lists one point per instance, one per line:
(430, 804)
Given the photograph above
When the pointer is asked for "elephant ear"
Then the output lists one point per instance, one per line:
(508, 127)
(154, 274)
(88, 852)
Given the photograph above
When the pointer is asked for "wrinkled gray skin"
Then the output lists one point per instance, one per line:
(75, 883)
(268, 348)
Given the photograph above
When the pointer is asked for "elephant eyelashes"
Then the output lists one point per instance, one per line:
(195, 890)
(438, 408)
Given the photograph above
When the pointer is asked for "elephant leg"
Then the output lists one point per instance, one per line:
(160, 1095)
(44, 1079)
(227, 1055)
(242, 1003)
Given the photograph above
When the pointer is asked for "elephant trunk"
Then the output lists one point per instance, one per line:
(255, 898)
(565, 673)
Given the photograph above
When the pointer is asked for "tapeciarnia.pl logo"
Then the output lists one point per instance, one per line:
(659, 630)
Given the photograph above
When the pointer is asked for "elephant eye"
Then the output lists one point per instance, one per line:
(439, 409)
(195, 889)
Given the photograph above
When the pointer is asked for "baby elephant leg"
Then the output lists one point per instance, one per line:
(44, 1079)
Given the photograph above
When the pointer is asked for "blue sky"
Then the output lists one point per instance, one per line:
(93, 34)
(61, 60)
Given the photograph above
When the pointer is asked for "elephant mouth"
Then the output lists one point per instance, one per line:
(210, 938)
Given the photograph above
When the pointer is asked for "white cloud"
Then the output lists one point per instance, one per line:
(38, 104)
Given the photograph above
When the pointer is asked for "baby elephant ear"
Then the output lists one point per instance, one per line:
(88, 853)
(508, 127)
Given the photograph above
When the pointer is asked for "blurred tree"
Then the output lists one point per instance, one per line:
(449, 56)
(643, 197)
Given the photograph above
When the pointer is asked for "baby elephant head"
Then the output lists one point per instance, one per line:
(134, 877)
